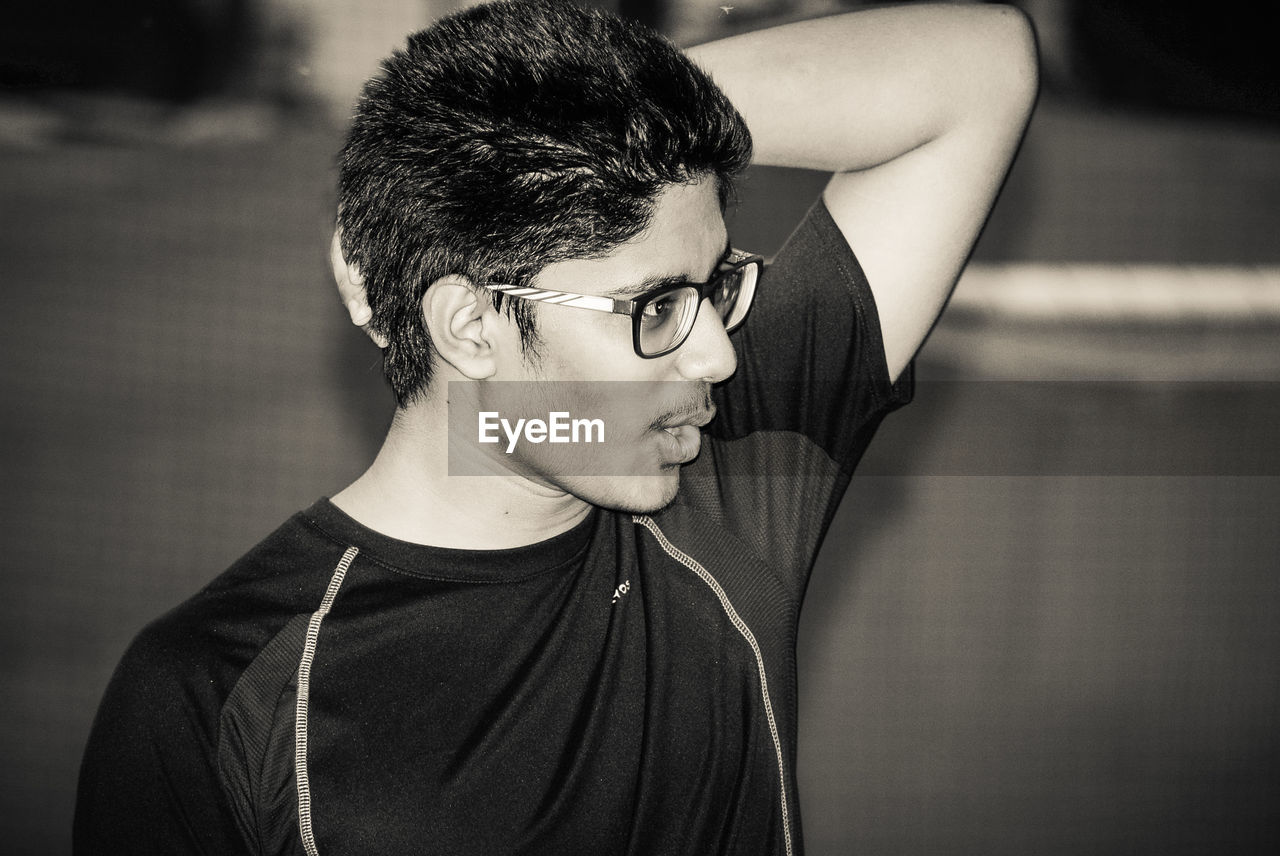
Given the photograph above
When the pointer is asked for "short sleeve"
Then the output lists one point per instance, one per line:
(810, 356)
(811, 388)
(148, 781)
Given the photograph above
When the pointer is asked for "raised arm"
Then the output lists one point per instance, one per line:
(918, 111)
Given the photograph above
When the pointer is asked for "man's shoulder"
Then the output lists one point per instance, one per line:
(188, 693)
(287, 570)
(213, 635)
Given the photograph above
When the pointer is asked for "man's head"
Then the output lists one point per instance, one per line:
(510, 137)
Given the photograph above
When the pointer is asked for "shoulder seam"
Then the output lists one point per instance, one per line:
(304, 694)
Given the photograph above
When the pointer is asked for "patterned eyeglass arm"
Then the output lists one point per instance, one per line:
(564, 298)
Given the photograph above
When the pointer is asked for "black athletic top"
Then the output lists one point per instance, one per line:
(627, 686)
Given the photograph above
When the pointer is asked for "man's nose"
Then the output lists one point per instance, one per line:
(707, 355)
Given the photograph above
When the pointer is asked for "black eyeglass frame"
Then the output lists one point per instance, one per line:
(734, 261)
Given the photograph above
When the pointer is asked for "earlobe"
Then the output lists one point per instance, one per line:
(463, 326)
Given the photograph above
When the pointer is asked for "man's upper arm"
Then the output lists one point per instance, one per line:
(148, 782)
(916, 109)
(914, 219)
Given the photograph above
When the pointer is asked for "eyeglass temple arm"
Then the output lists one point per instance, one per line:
(564, 298)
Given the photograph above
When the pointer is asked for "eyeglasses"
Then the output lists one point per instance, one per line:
(663, 318)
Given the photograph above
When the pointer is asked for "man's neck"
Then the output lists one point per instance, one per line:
(408, 493)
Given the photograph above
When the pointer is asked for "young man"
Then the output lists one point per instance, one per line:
(548, 659)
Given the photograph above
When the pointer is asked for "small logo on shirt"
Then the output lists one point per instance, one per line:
(621, 590)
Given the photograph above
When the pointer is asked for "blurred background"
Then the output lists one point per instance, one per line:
(1046, 619)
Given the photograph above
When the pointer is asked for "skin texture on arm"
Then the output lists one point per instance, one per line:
(918, 110)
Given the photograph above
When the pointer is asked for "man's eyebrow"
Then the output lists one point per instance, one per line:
(652, 283)
(655, 282)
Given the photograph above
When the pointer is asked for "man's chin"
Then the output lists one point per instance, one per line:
(629, 494)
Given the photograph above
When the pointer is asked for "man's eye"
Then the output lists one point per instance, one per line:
(661, 307)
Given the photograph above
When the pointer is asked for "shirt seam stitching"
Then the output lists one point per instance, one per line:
(745, 631)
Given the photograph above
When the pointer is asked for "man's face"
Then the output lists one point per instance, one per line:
(651, 421)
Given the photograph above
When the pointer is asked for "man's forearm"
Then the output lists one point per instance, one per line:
(918, 111)
(852, 91)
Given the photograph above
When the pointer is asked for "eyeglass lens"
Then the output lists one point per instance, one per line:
(667, 319)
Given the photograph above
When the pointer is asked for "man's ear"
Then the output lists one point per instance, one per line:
(466, 331)
(351, 290)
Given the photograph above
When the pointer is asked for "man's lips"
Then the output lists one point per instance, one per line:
(696, 420)
(696, 415)
(683, 442)
(684, 431)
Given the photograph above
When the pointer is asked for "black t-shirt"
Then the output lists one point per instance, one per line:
(627, 686)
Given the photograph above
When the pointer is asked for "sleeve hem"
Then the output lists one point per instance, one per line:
(888, 395)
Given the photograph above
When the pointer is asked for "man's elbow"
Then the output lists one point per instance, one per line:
(1016, 79)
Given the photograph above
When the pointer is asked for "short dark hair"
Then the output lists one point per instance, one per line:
(513, 135)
